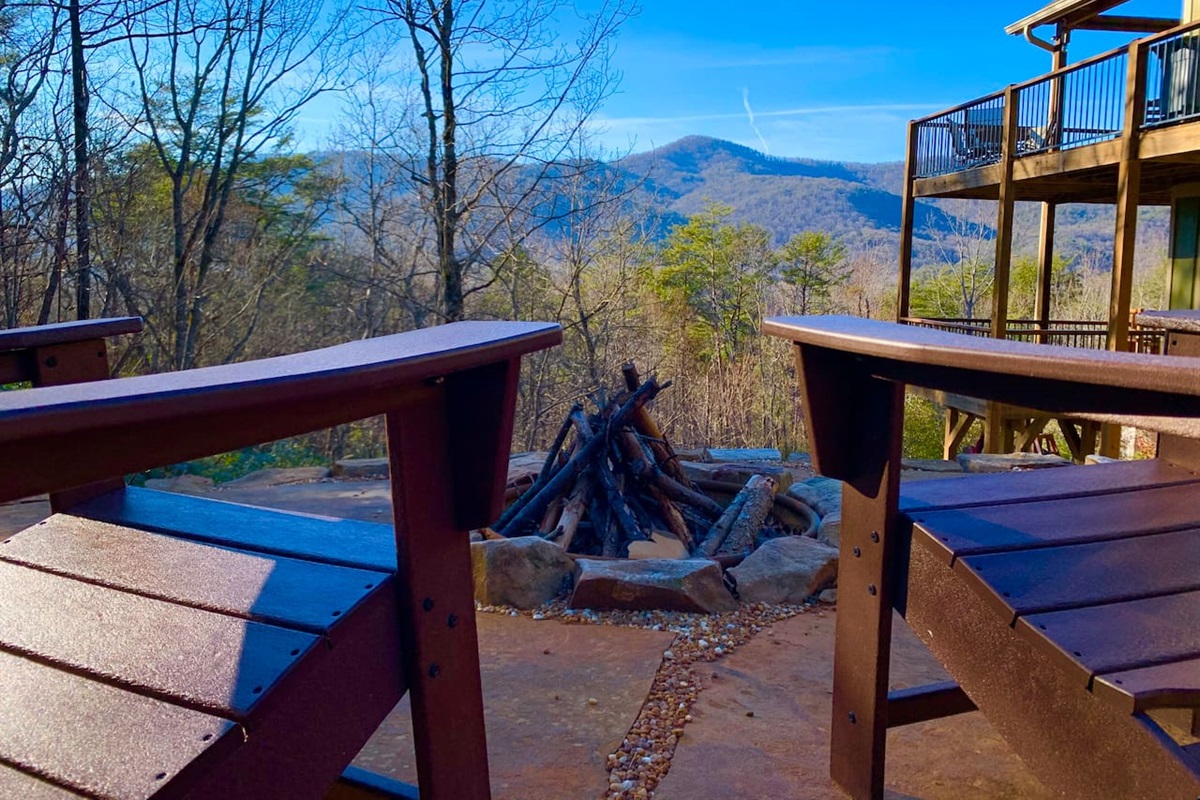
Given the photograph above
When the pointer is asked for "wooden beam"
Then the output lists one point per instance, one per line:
(1114, 22)
(1128, 187)
(958, 425)
(1129, 175)
(923, 703)
(906, 224)
(1004, 216)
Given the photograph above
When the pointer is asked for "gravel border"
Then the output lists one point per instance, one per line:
(644, 756)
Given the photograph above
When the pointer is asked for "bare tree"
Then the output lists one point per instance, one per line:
(502, 93)
(219, 83)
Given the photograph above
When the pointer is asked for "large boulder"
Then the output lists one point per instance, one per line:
(649, 584)
(823, 495)
(829, 532)
(786, 570)
(524, 572)
(997, 462)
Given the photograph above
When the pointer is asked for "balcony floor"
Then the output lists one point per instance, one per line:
(1170, 156)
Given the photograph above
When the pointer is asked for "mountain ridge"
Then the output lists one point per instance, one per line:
(860, 203)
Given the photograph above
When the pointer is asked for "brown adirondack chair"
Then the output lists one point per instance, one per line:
(159, 645)
(1065, 603)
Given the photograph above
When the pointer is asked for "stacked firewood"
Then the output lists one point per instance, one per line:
(619, 481)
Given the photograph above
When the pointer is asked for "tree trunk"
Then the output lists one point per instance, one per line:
(83, 235)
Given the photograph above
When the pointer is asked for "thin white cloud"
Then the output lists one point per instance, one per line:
(750, 114)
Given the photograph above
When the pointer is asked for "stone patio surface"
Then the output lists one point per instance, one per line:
(760, 725)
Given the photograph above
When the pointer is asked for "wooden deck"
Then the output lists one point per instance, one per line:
(1087, 174)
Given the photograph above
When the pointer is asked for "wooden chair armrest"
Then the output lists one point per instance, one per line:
(67, 332)
(67, 352)
(1037, 375)
(834, 352)
(64, 436)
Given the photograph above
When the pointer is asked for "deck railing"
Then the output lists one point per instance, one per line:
(963, 137)
(1087, 334)
(1173, 78)
(1080, 104)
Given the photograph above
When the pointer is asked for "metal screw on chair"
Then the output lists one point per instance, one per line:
(857, 552)
(875, 536)
(871, 590)
(853, 719)
(427, 604)
(452, 621)
(434, 670)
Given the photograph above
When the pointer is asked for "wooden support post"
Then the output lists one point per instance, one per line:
(1004, 216)
(993, 429)
(1046, 232)
(904, 286)
(440, 489)
(1129, 174)
(862, 448)
(1045, 271)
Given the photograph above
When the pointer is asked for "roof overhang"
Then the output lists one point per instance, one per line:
(1075, 14)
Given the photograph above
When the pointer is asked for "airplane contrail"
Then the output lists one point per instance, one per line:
(750, 114)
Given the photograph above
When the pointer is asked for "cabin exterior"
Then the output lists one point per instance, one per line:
(1121, 128)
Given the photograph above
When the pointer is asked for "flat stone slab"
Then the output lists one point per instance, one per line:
(784, 678)
(182, 484)
(931, 465)
(718, 454)
(17, 516)
(366, 500)
(525, 466)
(275, 476)
(544, 739)
(993, 462)
(361, 468)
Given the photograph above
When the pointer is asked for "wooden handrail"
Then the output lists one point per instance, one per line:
(132, 424)
(1078, 65)
(1186, 27)
(993, 96)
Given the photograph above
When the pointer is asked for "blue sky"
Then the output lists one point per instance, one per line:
(825, 80)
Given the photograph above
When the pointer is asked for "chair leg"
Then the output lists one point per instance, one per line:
(437, 603)
(866, 588)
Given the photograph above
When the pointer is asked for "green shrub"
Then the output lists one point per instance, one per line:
(286, 453)
(924, 427)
